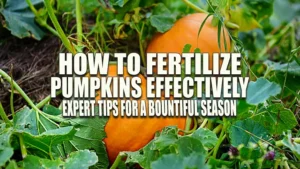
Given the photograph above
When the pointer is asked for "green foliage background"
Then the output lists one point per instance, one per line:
(266, 32)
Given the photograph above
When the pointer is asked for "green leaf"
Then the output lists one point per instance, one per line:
(208, 138)
(87, 6)
(288, 142)
(284, 11)
(35, 162)
(168, 161)
(120, 3)
(82, 159)
(262, 8)
(162, 23)
(25, 121)
(261, 90)
(20, 20)
(187, 145)
(292, 68)
(276, 119)
(49, 109)
(167, 137)
(6, 151)
(288, 82)
(246, 132)
(250, 153)
(89, 135)
(186, 48)
(46, 140)
(193, 161)
(244, 18)
(161, 9)
(12, 165)
(219, 3)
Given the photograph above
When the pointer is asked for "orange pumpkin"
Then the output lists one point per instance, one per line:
(185, 31)
(132, 133)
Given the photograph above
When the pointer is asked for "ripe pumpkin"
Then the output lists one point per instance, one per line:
(131, 133)
(185, 31)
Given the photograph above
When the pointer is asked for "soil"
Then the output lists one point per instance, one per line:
(31, 63)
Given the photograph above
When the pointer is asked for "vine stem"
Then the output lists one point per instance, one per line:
(4, 116)
(28, 100)
(78, 23)
(18, 88)
(12, 98)
(117, 161)
(142, 51)
(57, 26)
(46, 100)
(221, 138)
(195, 7)
(203, 123)
(188, 124)
(40, 20)
(218, 129)
(22, 146)
(286, 165)
(280, 142)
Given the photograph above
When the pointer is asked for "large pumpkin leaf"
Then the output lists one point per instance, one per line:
(6, 151)
(261, 90)
(20, 20)
(292, 68)
(246, 132)
(25, 120)
(80, 159)
(157, 154)
(208, 138)
(276, 119)
(89, 135)
(47, 140)
(194, 160)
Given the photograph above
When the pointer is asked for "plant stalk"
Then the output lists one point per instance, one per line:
(22, 146)
(78, 23)
(39, 19)
(4, 116)
(117, 161)
(279, 143)
(57, 26)
(188, 124)
(195, 7)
